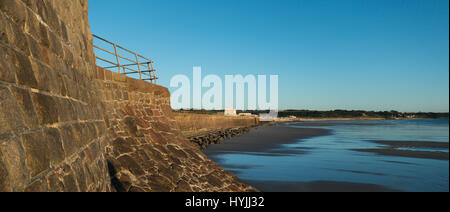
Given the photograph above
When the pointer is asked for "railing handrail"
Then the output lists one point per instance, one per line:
(147, 69)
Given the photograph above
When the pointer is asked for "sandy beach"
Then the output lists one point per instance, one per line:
(266, 140)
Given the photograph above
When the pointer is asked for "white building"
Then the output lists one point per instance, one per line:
(230, 112)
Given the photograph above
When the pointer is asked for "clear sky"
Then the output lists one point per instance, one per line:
(329, 54)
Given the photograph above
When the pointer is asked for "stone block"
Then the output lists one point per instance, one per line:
(24, 70)
(54, 183)
(72, 88)
(32, 4)
(32, 24)
(46, 107)
(11, 116)
(43, 36)
(118, 77)
(34, 48)
(36, 152)
(24, 101)
(5, 29)
(101, 128)
(15, 9)
(81, 132)
(63, 69)
(60, 85)
(108, 75)
(46, 55)
(80, 111)
(43, 150)
(160, 126)
(91, 131)
(68, 56)
(7, 68)
(79, 173)
(4, 178)
(14, 162)
(131, 126)
(55, 44)
(67, 110)
(121, 146)
(55, 150)
(159, 183)
(18, 39)
(70, 184)
(176, 151)
(52, 18)
(64, 33)
(131, 165)
(46, 77)
(69, 140)
(100, 73)
(36, 186)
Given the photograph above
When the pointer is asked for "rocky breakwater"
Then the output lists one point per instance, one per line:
(217, 136)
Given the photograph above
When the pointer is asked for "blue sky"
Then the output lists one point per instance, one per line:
(329, 54)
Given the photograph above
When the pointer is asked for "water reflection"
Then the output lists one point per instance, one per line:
(331, 157)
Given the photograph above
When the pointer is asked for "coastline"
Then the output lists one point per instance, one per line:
(268, 140)
(284, 120)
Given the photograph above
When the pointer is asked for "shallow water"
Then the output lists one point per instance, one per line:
(331, 158)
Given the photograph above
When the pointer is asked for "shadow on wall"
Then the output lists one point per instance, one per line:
(115, 183)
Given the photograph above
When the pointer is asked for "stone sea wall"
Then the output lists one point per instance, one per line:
(147, 151)
(66, 125)
(193, 124)
(52, 131)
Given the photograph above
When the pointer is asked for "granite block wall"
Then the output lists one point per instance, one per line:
(66, 125)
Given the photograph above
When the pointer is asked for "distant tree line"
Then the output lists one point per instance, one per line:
(337, 114)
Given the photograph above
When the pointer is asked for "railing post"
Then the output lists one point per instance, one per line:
(153, 72)
(117, 58)
(149, 75)
(139, 66)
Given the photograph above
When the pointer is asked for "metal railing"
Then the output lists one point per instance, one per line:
(134, 65)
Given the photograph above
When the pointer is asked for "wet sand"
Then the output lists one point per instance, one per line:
(317, 186)
(413, 144)
(407, 153)
(265, 140)
(332, 123)
(390, 149)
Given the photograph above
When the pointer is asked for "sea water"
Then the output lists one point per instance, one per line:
(331, 157)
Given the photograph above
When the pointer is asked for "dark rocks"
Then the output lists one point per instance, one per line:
(216, 137)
